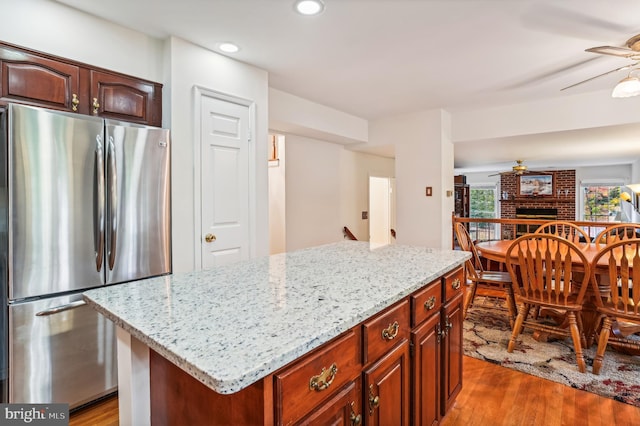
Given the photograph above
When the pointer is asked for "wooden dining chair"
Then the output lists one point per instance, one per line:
(543, 269)
(478, 276)
(623, 231)
(567, 230)
(616, 285)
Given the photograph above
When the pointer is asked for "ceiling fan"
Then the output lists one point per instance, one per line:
(518, 169)
(631, 51)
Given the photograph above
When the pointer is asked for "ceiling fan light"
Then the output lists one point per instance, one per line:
(629, 86)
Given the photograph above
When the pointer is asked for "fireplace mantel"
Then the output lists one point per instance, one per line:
(539, 200)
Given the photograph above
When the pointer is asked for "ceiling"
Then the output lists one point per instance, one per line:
(378, 58)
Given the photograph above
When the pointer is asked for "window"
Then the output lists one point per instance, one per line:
(601, 202)
(482, 200)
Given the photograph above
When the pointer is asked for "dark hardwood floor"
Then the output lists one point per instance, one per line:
(491, 395)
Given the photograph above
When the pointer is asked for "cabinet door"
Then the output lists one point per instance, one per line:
(28, 78)
(386, 389)
(125, 98)
(426, 340)
(452, 352)
(343, 409)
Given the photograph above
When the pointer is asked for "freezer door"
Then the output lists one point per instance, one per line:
(138, 229)
(60, 350)
(54, 218)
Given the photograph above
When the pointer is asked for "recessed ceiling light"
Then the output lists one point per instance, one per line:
(309, 7)
(228, 47)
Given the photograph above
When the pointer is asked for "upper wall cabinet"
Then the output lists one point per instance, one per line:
(34, 78)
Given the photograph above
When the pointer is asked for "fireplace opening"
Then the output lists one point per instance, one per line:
(533, 213)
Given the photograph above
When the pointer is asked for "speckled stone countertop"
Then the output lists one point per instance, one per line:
(233, 325)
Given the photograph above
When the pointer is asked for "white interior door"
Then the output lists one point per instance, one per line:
(224, 181)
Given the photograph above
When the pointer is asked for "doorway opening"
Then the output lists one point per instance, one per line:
(382, 215)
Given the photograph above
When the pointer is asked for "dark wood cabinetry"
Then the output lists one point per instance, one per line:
(125, 98)
(402, 366)
(452, 352)
(43, 80)
(436, 341)
(386, 387)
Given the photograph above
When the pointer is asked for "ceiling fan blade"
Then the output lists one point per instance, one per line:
(626, 67)
(614, 51)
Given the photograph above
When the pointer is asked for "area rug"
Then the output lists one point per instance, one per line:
(487, 332)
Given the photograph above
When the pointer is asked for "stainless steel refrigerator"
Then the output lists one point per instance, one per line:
(84, 202)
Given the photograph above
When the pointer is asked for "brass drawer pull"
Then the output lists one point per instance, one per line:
(391, 332)
(96, 106)
(430, 303)
(456, 284)
(323, 380)
(75, 102)
(356, 419)
(374, 401)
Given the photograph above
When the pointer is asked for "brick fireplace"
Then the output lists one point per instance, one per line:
(562, 202)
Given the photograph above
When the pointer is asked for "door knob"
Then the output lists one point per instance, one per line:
(209, 238)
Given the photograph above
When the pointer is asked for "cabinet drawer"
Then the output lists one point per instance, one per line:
(306, 383)
(426, 302)
(381, 333)
(453, 283)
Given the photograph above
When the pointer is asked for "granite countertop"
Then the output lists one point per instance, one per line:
(233, 325)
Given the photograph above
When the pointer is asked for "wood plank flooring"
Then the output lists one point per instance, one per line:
(495, 395)
(491, 395)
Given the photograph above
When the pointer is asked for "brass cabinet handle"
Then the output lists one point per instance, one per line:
(439, 333)
(447, 325)
(430, 303)
(96, 106)
(323, 380)
(356, 419)
(75, 102)
(374, 401)
(209, 238)
(391, 332)
(456, 284)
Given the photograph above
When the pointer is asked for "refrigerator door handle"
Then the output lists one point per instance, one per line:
(99, 212)
(62, 308)
(113, 201)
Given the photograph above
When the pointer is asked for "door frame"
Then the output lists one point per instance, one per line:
(198, 93)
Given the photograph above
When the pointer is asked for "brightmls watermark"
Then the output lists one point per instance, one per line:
(34, 414)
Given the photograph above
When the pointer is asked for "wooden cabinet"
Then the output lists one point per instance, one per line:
(386, 388)
(125, 98)
(32, 79)
(426, 367)
(343, 409)
(43, 80)
(309, 382)
(436, 341)
(426, 343)
(452, 320)
(402, 366)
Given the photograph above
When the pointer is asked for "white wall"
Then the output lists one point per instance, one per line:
(355, 169)
(193, 65)
(53, 28)
(326, 189)
(424, 157)
(294, 115)
(277, 200)
(313, 192)
(580, 111)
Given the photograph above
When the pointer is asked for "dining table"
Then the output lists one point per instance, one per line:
(496, 251)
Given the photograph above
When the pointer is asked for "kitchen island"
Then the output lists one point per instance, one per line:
(243, 343)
